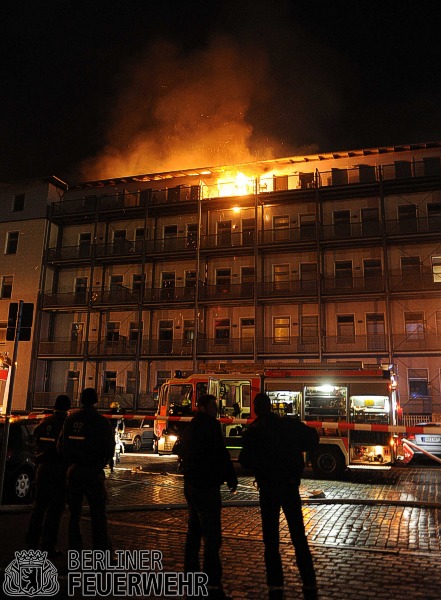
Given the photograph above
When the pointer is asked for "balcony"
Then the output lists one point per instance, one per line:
(341, 344)
(414, 280)
(419, 342)
(65, 299)
(288, 347)
(172, 348)
(352, 285)
(287, 289)
(287, 235)
(411, 226)
(61, 347)
(225, 347)
(170, 294)
(346, 231)
(226, 291)
(117, 346)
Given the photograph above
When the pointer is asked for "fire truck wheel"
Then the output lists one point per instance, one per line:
(328, 462)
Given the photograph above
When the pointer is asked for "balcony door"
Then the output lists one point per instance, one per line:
(168, 284)
(375, 331)
(165, 337)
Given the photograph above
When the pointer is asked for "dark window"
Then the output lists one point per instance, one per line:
(12, 242)
(6, 290)
(18, 204)
(345, 329)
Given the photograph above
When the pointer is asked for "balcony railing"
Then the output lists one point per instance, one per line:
(287, 289)
(224, 347)
(353, 285)
(413, 280)
(288, 347)
(227, 291)
(360, 343)
(411, 226)
(418, 342)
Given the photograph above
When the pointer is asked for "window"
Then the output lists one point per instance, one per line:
(418, 383)
(411, 270)
(438, 322)
(168, 284)
(309, 329)
(135, 332)
(281, 228)
(18, 203)
(6, 290)
(119, 241)
(248, 231)
(80, 286)
(11, 242)
(161, 377)
(222, 331)
(407, 218)
(375, 331)
(281, 277)
(223, 280)
(190, 279)
(414, 325)
(345, 329)
(342, 223)
(281, 330)
(139, 239)
(224, 233)
(137, 282)
(370, 221)
(434, 216)
(343, 273)
(76, 332)
(246, 335)
(373, 273)
(109, 386)
(116, 287)
(112, 334)
(165, 337)
(308, 276)
(192, 235)
(3, 328)
(130, 382)
(170, 237)
(84, 244)
(436, 269)
(247, 274)
(188, 333)
(307, 227)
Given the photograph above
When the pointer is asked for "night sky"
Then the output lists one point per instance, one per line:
(103, 89)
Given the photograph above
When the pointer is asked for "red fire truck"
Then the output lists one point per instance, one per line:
(353, 407)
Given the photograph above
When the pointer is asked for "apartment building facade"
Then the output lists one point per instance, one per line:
(23, 227)
(321, 258)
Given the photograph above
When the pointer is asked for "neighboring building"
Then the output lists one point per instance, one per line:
(23, 227)
(330, 257)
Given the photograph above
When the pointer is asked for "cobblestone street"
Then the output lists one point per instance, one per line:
(373, 534)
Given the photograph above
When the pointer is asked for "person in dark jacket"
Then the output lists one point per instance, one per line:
(206, 464)
(87, 442)
(273, 449)
(50, 482)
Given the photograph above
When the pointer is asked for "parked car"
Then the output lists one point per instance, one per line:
(430, 442)
(20, 466)
(138, 433)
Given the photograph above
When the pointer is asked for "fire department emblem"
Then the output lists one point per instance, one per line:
(31, 575)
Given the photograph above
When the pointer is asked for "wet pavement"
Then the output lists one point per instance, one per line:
(374, 534)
